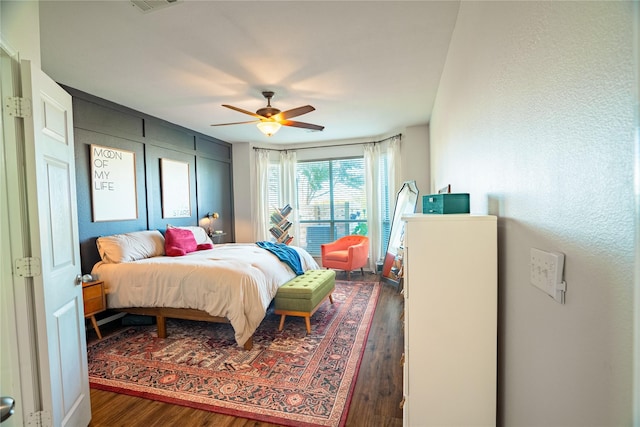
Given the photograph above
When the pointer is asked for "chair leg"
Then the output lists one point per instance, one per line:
(362, 270)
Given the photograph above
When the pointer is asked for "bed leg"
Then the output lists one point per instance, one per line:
(248, 345)
(162, 326)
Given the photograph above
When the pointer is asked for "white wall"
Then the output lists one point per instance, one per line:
(243, 191)
(20, 29)
(636, 310)
(415, 160)
(535, 118)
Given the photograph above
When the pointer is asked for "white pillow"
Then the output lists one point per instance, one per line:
(199, 233)
(131, 246)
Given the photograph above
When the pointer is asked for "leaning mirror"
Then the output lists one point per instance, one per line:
(406, 201)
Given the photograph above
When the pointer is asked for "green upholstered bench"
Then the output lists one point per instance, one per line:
(302, 295)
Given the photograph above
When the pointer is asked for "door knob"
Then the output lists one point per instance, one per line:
(78, 279)
(7, 405)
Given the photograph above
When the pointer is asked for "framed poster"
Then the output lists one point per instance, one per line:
(176, 202)
(113, 184)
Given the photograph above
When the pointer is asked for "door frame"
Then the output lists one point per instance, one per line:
(18, 307)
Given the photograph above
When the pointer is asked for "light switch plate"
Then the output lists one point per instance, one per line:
(546, 273)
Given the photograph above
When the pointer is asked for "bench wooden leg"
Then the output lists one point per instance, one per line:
(307, 321)
(307, 318)
(331, 298)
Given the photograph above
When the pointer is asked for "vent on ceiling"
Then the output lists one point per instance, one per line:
(151, 5)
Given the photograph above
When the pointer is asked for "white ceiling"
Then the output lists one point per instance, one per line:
(370, 68)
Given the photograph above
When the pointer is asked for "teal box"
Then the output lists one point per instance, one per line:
(447, 203)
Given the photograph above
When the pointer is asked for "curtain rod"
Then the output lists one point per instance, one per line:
(328, 146)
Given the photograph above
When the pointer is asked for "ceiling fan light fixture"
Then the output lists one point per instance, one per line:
(270, 119)
(269, 128)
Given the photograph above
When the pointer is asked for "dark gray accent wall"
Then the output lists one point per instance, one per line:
(101, 122)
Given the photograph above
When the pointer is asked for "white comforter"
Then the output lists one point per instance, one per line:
(236, 281)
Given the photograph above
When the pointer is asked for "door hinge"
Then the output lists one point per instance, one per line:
(28, 267)
(39, 419)
(17, 106)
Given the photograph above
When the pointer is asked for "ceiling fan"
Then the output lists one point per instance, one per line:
(270, 119)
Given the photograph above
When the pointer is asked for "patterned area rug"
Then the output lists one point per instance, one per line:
(288, 378)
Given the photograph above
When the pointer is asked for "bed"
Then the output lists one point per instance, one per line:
(232, 282)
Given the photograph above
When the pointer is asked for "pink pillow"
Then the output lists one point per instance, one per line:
(178, 242)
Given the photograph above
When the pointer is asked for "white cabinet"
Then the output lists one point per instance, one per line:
(450, 290)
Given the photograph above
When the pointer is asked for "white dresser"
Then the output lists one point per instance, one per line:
(450, 290)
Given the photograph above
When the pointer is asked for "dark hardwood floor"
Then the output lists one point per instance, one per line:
(376, 399)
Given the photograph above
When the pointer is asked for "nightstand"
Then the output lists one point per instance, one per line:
(218, 238)
(95, 301)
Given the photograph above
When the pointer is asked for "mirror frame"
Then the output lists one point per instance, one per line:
(406, 202)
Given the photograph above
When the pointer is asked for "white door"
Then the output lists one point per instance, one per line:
(53, 229)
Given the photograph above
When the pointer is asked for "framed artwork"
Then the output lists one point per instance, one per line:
(113, 184)
(176, 202)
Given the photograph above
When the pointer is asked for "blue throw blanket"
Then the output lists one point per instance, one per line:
(286, 254)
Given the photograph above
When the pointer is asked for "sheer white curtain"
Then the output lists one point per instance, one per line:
(373, 192)
(289, 190)
(261, 214)
(393, 165)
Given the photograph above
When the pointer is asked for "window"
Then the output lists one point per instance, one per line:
(331, 201)
(274, 185)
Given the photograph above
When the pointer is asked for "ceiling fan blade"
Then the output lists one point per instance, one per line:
(300, 125)
(258, 116)
(236, 123)
(294, 112)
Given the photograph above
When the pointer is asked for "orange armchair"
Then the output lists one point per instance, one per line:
(347, 253)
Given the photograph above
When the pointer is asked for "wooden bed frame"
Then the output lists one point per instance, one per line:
(162, 313)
